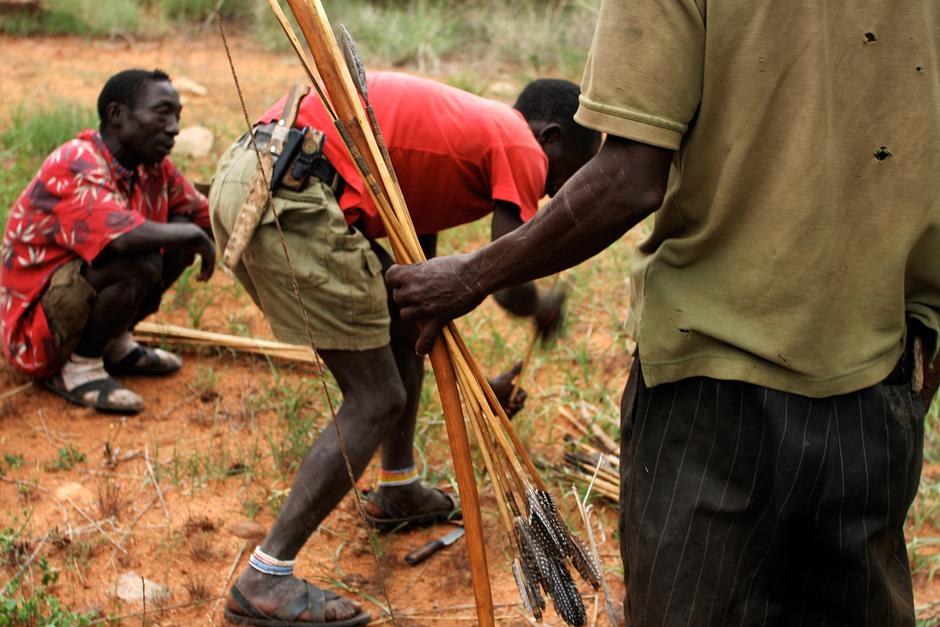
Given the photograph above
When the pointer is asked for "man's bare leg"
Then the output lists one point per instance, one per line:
(372, 397)
(398, 446)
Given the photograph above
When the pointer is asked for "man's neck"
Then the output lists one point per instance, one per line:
(119, 152)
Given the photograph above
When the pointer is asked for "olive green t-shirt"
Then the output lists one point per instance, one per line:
(802, 221)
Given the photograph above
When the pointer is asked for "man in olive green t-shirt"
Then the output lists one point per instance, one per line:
(785, 306)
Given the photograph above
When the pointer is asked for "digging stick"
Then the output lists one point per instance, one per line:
(315, 27)
(529, 351)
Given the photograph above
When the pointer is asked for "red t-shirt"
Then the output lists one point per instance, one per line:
(76, 205)
(454, 153)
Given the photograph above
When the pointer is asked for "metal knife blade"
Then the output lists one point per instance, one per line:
(424, 552)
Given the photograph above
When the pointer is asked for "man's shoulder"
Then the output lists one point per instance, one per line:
(79, 155)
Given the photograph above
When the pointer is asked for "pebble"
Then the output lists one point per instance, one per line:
(131, 587)
(188, 86)
(248, 530)
(76, 492)
(193, 141)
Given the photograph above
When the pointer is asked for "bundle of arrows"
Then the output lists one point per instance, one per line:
(543, 546)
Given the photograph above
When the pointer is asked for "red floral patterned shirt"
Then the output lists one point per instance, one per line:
(80, 201)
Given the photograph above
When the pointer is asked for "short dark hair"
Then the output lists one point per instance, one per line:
(126, 87)
(555, 100)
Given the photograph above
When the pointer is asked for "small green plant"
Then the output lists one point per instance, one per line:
(205, 382)
(66, 459)
(40, 607)
(196, 298)
(13, 461)
(252, 507)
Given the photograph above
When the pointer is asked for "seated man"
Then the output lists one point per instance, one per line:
(458, 157)
(103, 229)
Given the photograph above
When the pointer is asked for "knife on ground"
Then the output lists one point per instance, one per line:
(424, 552)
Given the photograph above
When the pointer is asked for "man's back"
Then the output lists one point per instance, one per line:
(454, 153)
(805, 212)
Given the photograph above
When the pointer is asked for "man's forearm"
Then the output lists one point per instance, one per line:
(154, 236)
(616, 190)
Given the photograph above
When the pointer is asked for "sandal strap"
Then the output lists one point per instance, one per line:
(395, 512)
(387, 506)
(104, 387)
(248, 609)
(313, 601)
(130, 360)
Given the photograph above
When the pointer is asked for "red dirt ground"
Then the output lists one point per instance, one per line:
(209, 418)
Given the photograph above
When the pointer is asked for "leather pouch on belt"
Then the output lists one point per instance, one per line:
(301, 165)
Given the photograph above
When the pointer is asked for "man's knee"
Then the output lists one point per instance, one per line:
(138, 272)
(146, 269)
(385, 402)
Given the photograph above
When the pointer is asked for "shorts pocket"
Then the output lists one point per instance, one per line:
(265, 255)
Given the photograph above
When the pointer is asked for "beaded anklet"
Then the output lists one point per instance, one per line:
(400, 477)
(264, 563)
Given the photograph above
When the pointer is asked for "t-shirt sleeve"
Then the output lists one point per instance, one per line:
(517, 175)
(184, 199)
(89, 211)
(643, 78)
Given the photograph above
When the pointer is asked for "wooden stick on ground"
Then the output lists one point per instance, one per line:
(153, 332)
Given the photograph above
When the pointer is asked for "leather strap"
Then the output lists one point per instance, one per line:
(288, 116)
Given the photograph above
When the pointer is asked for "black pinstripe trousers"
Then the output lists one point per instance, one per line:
(742, 505)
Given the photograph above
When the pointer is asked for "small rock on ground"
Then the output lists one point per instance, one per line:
(131, 587)
(75, 492)
(193, 141)
(248, 530)
(188, 86)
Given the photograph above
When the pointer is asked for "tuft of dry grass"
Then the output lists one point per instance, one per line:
(111, 501)
(201, 549)
(197, 589)
(199, 524)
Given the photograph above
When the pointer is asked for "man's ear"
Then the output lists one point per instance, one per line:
(550, 133)
(115, 112)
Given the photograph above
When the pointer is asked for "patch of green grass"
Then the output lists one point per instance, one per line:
(13, 461)
(297, 406)
(194, 296)
(93, 18)
(40, 606)
(66, 459)
(535, 36)
(29, 134)
(201, 10)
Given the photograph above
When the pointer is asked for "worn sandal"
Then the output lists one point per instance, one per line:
(102, 402)
(313, 601)
(144, 361)
(423, 516)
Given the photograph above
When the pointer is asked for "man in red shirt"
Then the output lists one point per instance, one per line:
(458, 158)
(105, 226)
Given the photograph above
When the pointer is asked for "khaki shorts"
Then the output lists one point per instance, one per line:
(340, 278)
(67, 303)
